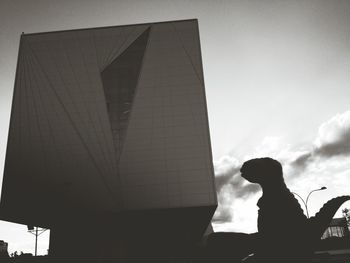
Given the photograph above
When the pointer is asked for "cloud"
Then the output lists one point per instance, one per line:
(230, 186)
(224, 211)
(301, 160)
(334, 136)
(225, 169)
(305, 168)
(332, 140)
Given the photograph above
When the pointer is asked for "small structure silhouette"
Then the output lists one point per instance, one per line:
(3, 251)
(338, 227)
(285, 234)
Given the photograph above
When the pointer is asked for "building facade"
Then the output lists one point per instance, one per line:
(109, 127)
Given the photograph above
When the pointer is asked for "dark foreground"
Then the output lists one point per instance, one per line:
(332, 256)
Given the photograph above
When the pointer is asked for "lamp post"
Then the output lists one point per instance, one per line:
(307, 198)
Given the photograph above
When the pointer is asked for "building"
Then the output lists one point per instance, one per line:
(109, 141)
(3, 248)
(337, 228)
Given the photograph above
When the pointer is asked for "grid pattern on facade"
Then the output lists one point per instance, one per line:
(119, 83)
(109, 119)
(167, 141)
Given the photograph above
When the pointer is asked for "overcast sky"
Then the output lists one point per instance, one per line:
(277, 77)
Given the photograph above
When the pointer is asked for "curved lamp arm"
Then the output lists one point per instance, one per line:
(307, 198)
(305, 205)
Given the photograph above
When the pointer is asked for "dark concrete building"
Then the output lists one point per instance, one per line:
(109, 141)
(3, 247)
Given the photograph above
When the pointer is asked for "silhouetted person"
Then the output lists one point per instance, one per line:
(282, 225)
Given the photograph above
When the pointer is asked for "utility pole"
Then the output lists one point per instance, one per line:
(36, 231)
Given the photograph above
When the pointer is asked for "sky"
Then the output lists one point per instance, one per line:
(277, 77)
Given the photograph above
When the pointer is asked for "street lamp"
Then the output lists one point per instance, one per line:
(307, 198)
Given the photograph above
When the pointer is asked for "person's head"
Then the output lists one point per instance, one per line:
(263, 171)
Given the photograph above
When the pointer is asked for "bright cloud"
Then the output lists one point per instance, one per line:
(334, 136)
(305, 169)
(230, 187)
